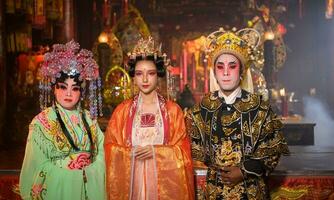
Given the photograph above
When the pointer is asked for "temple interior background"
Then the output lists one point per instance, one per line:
(296, 72)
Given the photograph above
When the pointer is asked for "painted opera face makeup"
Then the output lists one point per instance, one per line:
(67, 93)
(227, 73)
(146, 77)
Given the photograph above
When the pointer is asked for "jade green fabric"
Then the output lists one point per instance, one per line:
(52, 169)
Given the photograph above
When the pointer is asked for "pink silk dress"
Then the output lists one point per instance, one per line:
(147, 129)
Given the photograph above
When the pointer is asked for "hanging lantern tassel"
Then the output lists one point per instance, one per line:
(104, 10)
(125, 7)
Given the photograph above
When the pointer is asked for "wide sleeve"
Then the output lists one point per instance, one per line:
(174, 162)
(270, 146)
(95, 172)
(195, 127)
(117, 157)
(40, 178)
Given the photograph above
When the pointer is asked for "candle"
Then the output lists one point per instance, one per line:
(282, 92)
(284, 103)
(185, 66)
(114, 19)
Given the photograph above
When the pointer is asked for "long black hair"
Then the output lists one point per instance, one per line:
(158, 62)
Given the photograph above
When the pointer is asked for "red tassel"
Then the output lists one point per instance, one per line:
(125, 7)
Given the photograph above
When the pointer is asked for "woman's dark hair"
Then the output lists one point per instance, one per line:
(158, 62)
(62, 79)
(64, 76)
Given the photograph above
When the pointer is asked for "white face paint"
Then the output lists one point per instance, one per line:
(227, 73)
(67, 94)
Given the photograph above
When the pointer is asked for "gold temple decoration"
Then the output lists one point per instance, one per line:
(117, 86)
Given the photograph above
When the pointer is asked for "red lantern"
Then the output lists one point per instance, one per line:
(39, 13)
(281, 29)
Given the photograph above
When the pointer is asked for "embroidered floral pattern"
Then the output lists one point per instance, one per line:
(80, 161)
(162, 105)
(42, 118)
(147, 120)
(232, 193)
(229, 155)
(36, 190)
(148, 127)
(146, 134)
(74, 119)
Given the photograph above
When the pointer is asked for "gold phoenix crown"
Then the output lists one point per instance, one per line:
(147, 47)
(242, 44)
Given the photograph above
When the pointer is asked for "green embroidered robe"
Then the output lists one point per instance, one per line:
(52, 169)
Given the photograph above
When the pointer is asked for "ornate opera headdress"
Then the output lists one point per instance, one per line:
(147, 47)
(68, 59)
(242, 44)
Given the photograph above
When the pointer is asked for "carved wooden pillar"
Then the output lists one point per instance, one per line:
(84, 23)
(69, 20)
(2, 73)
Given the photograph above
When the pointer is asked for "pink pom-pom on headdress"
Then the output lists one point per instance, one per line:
(68, 59)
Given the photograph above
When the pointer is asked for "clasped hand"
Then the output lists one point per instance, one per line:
(143, 153)
(231, 175)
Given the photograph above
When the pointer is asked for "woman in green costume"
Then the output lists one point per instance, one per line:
(64, 157)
